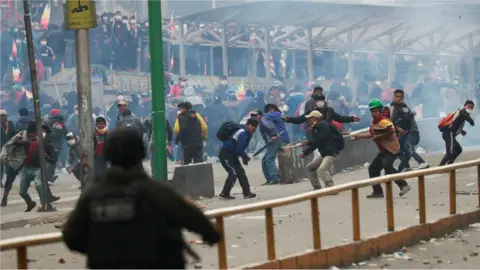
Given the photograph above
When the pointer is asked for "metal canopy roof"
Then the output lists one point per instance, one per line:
(454, 29)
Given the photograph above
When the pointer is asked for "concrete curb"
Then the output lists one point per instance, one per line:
(47, 218)
(371, 247)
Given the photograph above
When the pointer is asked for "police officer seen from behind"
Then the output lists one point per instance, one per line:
(127, 220)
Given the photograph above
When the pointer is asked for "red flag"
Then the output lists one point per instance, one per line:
(172, 28)
(14, 49)
(172, 62)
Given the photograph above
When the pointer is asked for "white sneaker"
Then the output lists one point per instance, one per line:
(422, 166)
(51, 183)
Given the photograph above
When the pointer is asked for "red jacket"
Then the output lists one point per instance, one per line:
(175, 91)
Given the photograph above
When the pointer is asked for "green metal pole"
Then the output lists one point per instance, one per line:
(159, 168)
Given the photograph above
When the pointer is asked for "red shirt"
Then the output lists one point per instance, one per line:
(176, 91)
(32, 155)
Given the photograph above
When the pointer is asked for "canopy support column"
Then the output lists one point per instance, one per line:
(293, 74)
(309, 54)
(471, 63)
(432, 52)
(212, 61)
(351, 71)
(224, 50)
(254, 62)
(183, 70)
(391, 58)
(266, 39)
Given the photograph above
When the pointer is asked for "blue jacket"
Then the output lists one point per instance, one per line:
(238, 142)
(271, 125)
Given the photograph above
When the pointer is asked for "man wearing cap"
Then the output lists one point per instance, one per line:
(382, 132)
(176, 90)
(329, 142)
(7, 131)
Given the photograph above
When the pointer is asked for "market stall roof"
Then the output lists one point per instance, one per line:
(454, 29)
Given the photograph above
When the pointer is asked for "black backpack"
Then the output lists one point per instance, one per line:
(227, 129)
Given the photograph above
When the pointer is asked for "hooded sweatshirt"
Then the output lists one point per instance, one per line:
(272, 125)
(189, 127)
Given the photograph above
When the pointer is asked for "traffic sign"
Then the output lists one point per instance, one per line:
(80, 14)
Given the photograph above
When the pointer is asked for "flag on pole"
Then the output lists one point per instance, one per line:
(269, 64)
(45, 19)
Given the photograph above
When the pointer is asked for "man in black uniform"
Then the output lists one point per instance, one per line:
(127, 220)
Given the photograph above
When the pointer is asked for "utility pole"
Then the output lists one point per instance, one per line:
(36, 97)
(80, 16)
(159, 169)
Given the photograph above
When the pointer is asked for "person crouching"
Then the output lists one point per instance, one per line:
(231, 149)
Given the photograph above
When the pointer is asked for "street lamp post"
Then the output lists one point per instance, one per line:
(159, 164)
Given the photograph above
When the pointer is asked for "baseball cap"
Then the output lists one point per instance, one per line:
(3, 112)
(315, 114)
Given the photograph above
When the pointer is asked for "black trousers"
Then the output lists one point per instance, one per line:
(235, 170)
(383, 161)
(11, 175)
(192, 155)
(452, 148)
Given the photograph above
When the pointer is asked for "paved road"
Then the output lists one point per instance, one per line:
(459, 250)
(246, 234)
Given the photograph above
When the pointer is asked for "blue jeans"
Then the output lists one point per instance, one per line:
(29, 175)
(269, 168)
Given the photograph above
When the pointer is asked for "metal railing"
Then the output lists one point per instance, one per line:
(21, 243)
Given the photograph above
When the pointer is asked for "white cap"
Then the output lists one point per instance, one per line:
(70, 135)
(315, 114)
(3, 112)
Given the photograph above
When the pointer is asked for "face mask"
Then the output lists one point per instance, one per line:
(44, 134)
(320, 104)
(133, 22)
(75, 112)
(120, 98)
(71, 142)
(223, 82)
(43, 43)
(182, 84)
(146, 24)
(282, 95)
(125, 21)
(118, 17)
(179, 112)
(18, 41)
(469, 111)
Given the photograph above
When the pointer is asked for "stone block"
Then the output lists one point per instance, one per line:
(194, 180)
